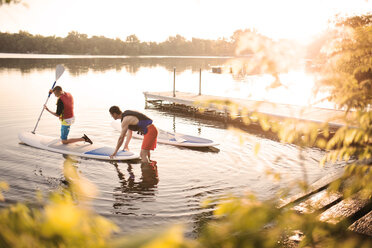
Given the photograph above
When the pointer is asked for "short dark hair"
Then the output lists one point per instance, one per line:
(57, 88)
(115, 109)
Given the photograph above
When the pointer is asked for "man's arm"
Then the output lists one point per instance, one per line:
(60, 107)
(129, 137)
(46, 108)
(128, 120)
(120, 141)
(59, 110)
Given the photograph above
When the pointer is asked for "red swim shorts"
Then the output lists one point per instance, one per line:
(149, 139)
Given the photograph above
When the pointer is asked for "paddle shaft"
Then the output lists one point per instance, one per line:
(43, 107)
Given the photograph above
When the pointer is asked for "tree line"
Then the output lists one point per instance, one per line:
(77, 43)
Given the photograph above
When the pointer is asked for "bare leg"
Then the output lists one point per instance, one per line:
(68, 141)
(145, 156)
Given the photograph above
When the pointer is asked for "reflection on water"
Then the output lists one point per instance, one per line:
(134, 190)
(297, 86)
(134, 196)
(148, 180)
(132, 65)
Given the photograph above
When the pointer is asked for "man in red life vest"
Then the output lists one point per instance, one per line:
(135, 121)
(65, 112)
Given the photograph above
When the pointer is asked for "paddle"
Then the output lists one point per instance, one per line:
(59, 71)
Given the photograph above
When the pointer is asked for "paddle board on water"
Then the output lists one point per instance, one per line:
(175, 139)
(81, 149)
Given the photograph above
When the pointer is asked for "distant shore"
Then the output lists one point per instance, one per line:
(66, 56)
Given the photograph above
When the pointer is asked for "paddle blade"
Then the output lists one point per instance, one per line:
(59, 71)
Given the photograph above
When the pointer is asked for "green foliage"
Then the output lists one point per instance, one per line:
(316, 50)
(64, 220)
(346, 76)
(354, 21)
(241, 223)
(3, 186)
(171, 237)
(59, 224)
(247, 222)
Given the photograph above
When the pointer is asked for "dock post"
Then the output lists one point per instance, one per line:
(174, 82)
(200, 82)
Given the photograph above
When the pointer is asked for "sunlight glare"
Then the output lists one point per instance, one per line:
(157, 20)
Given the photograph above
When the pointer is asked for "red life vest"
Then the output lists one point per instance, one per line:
(68, 105)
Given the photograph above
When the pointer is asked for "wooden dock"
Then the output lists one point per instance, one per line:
(352, 214)
(223, 106)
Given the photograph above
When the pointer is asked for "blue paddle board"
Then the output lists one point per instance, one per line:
(81, 149)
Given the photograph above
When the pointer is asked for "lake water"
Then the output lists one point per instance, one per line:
(186, 177)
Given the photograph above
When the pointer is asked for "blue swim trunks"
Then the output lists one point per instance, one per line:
(64, 132)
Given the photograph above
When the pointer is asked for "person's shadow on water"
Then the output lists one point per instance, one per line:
(150, 176)
(130, 191)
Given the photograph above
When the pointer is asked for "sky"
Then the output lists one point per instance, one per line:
(156, 20)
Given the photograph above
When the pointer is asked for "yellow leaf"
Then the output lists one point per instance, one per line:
(321, 143)
(171, 238)
(257, 147)
(4, 186)
(322, 162)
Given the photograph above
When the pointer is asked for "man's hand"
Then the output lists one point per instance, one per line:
(113, 155)
(45, 107)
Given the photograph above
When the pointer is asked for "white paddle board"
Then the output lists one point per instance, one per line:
(175, 139)
(81, 149)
